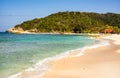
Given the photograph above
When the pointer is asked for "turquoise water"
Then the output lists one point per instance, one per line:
(20, 51)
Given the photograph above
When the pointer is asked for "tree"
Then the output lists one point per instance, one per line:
(78, 22)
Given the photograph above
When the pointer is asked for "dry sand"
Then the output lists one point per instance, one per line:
(101, 62)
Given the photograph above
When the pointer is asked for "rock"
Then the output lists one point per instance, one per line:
(15, 30)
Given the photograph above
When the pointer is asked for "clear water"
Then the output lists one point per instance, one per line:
(20, 51)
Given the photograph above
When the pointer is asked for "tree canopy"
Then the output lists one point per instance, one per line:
(74, 22)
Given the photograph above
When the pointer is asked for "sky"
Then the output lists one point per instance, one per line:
(13, 12)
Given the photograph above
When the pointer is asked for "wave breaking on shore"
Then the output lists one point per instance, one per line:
(38, 70)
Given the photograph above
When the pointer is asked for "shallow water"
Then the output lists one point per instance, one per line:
(20, 51)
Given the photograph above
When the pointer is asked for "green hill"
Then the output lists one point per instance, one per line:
(74, 22)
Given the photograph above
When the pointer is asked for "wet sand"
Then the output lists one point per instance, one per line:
(101, 62)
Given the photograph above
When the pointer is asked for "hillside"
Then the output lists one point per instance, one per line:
(72, 22)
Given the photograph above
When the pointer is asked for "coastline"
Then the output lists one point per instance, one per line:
(100, 62)
(21, 31)
(63, 64)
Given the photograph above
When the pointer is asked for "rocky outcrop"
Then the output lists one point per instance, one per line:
(19, 30)
(16, 30)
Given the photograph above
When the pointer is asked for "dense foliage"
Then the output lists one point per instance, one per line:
(75, 22)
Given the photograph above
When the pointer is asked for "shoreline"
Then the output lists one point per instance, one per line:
(35, 70)
(43, 64)
(14, 31)
(99, 62)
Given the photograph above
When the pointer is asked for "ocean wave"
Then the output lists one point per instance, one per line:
(42, 66)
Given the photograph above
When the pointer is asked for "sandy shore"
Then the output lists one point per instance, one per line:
(101, 62)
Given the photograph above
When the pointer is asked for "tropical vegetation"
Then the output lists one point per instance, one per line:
(74, 22)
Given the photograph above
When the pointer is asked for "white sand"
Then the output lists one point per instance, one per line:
(114, 37)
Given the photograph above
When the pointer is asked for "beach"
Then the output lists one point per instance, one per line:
(100, 62)
(27, 54)
(95, 62)
(59, 39)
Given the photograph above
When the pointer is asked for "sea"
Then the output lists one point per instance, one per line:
(19, 52)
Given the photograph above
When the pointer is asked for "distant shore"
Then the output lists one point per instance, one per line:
(12, 30)
(21, 31)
